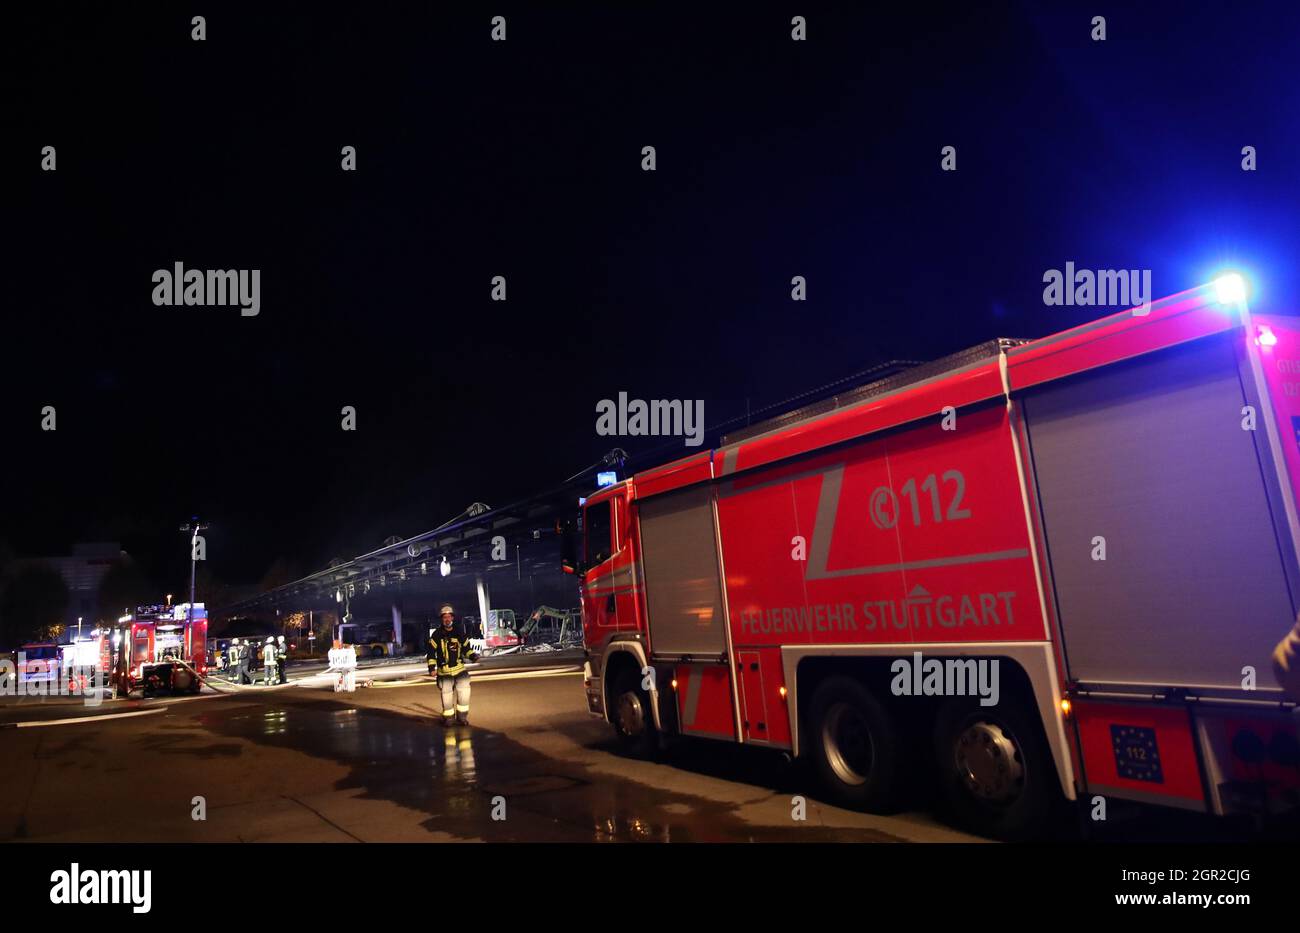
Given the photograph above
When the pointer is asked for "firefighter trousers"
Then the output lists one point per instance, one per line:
(455, 695)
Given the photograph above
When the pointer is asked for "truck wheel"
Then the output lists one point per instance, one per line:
(855, 748)
(631, 716)
(995, 768)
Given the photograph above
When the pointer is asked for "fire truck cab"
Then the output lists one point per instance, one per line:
(1039, 570)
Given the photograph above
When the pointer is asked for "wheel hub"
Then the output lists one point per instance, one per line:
(990, 762)
(846, 741)
(631, 715)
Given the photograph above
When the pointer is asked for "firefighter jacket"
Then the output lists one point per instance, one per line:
(448, 651)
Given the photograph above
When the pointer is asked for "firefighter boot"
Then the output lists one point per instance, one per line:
(462, 718)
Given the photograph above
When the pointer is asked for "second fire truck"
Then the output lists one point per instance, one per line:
(160, 649)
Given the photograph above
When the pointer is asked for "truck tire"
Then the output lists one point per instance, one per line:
(631, 716)
(856, 752)
(995, 769)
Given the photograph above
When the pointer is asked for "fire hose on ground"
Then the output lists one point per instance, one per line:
(221, 686)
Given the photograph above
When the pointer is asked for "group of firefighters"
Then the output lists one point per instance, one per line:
(275, 660)
(446, 653)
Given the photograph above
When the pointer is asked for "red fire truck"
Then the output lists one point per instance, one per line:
(1108, 513)
(161, 649)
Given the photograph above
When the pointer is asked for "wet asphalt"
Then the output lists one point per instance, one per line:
(304, 764)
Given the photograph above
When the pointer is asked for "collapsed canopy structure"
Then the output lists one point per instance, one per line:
(483, 558)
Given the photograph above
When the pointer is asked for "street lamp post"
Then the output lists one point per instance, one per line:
(194, 528)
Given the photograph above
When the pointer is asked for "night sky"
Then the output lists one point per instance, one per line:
(523, 159)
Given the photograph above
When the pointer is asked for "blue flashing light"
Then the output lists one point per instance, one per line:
(608, 478)
(1231, 288)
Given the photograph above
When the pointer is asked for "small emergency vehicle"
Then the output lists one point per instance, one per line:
(38, 662)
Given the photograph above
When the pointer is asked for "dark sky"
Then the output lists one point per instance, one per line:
(522, 158)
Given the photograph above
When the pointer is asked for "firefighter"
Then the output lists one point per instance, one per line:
(282, 656)
(268, 661)
(239, 657)
(447, 653)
